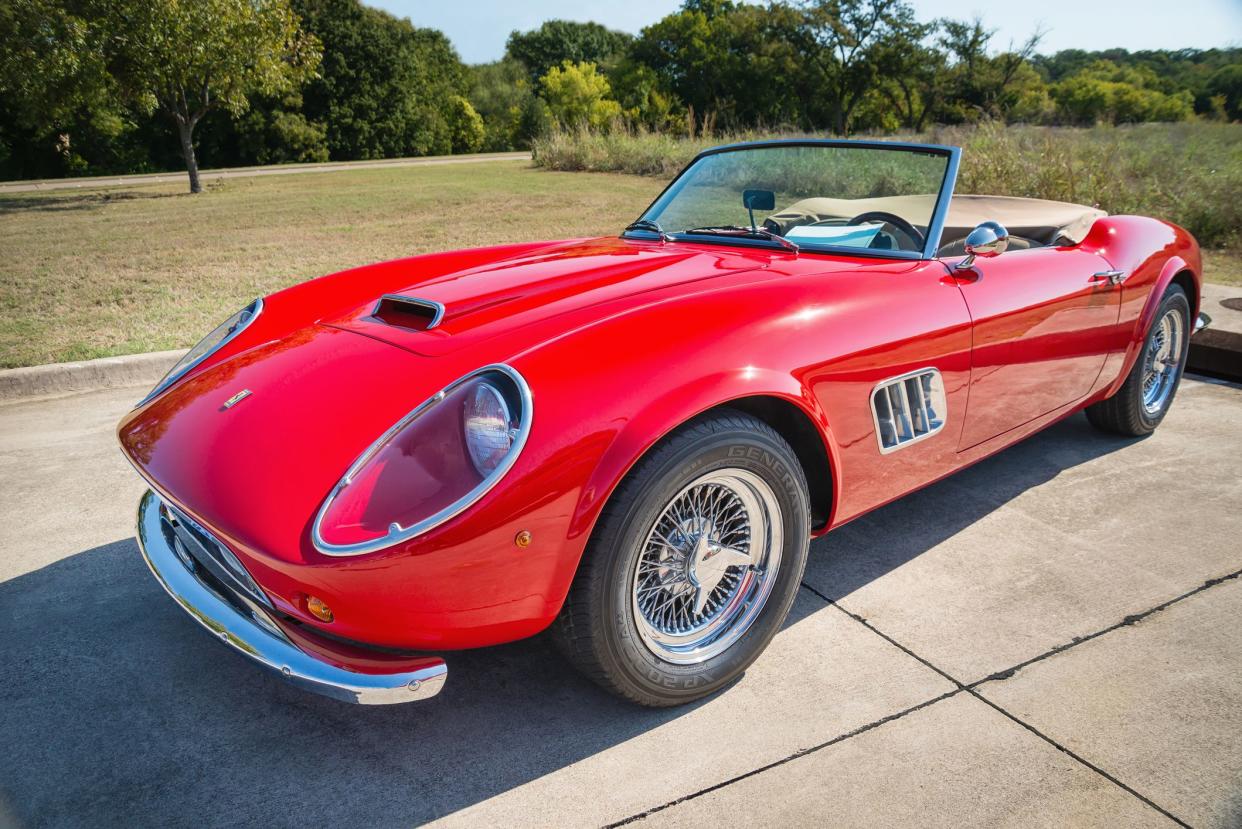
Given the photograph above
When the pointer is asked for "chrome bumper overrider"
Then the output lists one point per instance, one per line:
(265, 644)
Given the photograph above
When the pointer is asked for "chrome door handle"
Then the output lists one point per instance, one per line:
(1112, 277)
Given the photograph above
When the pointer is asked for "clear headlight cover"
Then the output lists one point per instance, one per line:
(488, 427)
(222, 333)
(430, 466)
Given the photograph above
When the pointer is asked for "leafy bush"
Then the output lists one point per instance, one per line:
(577, 94)
(1107, 93)
(1188, 173)
(465, 125)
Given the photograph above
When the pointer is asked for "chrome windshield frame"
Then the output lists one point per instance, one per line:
(935, 229)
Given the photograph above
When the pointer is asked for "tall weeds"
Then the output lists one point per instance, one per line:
(1188, 173)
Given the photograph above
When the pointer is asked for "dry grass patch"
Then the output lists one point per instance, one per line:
(1224, 267)
(118, 271)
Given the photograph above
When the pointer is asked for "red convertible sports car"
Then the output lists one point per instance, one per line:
(632, 440)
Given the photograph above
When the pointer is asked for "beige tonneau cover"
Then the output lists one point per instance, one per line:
(1039, 220)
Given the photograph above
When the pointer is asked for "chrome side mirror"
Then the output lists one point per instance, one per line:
(986, 240)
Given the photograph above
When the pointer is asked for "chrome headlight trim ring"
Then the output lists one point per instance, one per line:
(401, 534)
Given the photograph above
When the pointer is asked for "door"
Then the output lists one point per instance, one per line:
(865, 335)
(1042, 321)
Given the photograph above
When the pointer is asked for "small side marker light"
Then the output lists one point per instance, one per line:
(318, 609)
(522, 539)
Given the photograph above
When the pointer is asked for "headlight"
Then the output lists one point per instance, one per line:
(224, 332)
(488, 427)
(430, 466)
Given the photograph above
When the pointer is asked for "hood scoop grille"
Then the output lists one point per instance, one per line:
(408, 312)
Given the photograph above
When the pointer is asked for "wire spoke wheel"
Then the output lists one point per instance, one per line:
(1161, 361)
(707, 566)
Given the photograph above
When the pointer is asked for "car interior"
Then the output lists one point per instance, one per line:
(880, 223)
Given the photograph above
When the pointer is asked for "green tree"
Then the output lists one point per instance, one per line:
(81, 66)
(503, 95)
(557, 41)
(912, 76)
(983, 85)
(385, 88)
(272, 131)
(643, 98)
(187, 57)
(53, 64)
(845, 41)
(1173, 70)
(577, 95)
(1226, 84)
(734, 63)
(1108, 93)
(55, 87)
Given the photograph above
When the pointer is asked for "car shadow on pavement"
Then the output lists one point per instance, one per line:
(865, 550)
(117, 709)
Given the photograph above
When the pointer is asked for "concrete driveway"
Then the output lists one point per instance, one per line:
(1049, 638)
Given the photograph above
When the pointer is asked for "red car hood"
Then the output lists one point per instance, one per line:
(500, 297)
(319, 395)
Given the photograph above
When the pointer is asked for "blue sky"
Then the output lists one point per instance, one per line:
(478, 28)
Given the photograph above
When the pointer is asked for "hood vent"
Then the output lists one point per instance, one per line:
(408, 312)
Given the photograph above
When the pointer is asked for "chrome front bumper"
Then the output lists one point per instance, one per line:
(266, 644)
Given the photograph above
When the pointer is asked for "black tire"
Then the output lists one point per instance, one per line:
(597, 628)
(1125, 413)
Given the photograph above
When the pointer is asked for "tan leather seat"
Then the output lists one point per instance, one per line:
(1035, 221)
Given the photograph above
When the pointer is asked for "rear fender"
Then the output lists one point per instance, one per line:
(1150, 253)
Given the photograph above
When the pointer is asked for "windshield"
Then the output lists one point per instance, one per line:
(816, 196)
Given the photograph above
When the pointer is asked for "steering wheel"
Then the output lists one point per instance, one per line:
(891, 219)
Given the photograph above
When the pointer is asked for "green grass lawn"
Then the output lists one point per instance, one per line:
(93, 273)
(122, 270)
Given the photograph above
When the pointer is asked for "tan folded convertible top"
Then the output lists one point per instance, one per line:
(1036, 219)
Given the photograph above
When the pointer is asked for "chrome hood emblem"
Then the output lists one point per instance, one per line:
(235, 399)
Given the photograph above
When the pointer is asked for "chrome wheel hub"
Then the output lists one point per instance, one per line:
(1161, 360)
(707, 566)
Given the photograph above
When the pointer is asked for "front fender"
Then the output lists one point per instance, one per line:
(678, 404)
(612, 389)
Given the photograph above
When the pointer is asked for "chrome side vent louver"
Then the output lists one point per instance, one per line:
(908, 408)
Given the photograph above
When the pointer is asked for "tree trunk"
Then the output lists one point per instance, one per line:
(186, 129)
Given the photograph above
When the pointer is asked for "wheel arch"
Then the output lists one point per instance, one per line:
(785, 405)
(799, 431)
(1185, 279)
(1175, 271)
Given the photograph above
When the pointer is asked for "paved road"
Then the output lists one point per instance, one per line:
(1048, 638)
(249, 172)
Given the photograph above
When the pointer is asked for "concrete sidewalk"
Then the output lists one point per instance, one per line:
(90, 183)
(1048, 638)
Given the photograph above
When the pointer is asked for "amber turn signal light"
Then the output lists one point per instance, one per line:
(318, 609)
